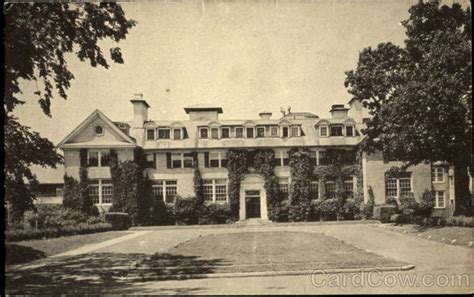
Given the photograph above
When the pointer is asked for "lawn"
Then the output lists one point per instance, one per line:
(30, 250)
(461, 235)
(277, 251)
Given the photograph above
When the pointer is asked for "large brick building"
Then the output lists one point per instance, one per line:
(169, 146)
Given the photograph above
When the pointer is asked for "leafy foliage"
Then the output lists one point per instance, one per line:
(420, 95)
(263, 161)
(197, 181)
(37, 39)
(301, 175)
(237, 167)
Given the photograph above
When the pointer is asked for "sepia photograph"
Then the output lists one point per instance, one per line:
(223, 147)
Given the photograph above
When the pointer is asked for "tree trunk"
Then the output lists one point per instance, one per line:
(462, 194)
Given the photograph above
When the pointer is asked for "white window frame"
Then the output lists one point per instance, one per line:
(179, 156)
(326, 188)
(339, 126)
(256, 132)
(282, 128)
(246, 134)
(150, 157)
(154, 133)
(163, 184)
(220, 157)
(298, 132)
(279, 155)
(399, 189)
(276, 129)
(312, 183)
(284, 181)
(321, 130)
(99, 134)
(434, 174)
(158, 133)
(345, 130)
(99, 157)
(347, 181)
(437, 196)
(180, 133)
(213, 183)
(99, 185)
(218, 133)
(243, 132)
(200, 133)
(222, 130)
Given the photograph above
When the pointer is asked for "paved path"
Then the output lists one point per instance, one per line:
(432, 259)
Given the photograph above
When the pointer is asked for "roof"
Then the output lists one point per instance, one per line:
(294, 115)
(202, 107)
(310, 137)
(48, 175)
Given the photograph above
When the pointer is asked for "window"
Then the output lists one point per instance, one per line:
(349, 188)
(284, 131)
(239, 132)
(164, 133)
(100, 191)
(215, 133)
(249, 132)
(177, 133)
(215, 190)
(439, 199)
(59, 192)
(321, 158)
(98, 158)
(203, 133)
(330, 189)
(396, 187)
(314, 190)
(214, 159)
(274, 131)
(166, 190)
(260, 131)
(150, 160)
(99, 130)
(150, 134)
(437, 174)
(94, 192)
(323, 131)
(107, 192)
(176, 160)
(284, 185)
(281, 158)
(188, 160)
(313, 158)
(349, 131)
(336, 130)
(225, 132)
(295, 131)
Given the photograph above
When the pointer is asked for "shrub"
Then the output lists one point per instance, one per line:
(351, 209)
(215, 214)
(159, 213)
(384, 212)
(408, 208)
(328, 209)
(29, 234)
(460, 221)
(395, 218)
(316, 209)
(53, 216)
(426, 205)
(118, 220)
(391, 201)
(186, 211)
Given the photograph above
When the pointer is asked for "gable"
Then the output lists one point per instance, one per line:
(85, 134)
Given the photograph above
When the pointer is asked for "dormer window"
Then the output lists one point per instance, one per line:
(215, 133)
(150, 134)
(225, 132)
(239, 132)
(164, 133)
(323, 131)
(260, 131)
(99, 130)
(203, 133)
(295, 131)
(336, 130)
(284, 132)
(274, 131)
(250, 132)
(349, 130)
(177, 134)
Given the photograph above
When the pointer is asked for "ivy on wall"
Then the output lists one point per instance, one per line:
(263, 161)
(76, 193)
(237, 167)
(301, 175)
(197, 181)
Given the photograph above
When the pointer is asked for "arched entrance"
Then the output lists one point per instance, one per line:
(253, 199)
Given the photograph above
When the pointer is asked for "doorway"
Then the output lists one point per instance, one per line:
(252, 204)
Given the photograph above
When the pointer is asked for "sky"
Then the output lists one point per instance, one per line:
(245, 56)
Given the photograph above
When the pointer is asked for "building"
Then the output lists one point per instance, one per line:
(169, 146)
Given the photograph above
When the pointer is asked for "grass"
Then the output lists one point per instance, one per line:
(462, 235)
(277, 251)
(30, 250)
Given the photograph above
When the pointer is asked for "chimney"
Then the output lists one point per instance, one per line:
(338, 111)
(265, 115)
(140, 111)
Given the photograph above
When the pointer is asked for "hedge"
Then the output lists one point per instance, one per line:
(82, 228)
(118, 220)
(384, 212)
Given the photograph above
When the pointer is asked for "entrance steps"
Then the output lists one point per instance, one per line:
(254, 222)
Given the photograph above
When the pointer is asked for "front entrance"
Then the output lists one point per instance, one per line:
(252, 204)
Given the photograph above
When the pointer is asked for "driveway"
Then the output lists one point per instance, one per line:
(439, 268)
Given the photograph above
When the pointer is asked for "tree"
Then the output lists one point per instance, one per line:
(37, 38)
(420, 95)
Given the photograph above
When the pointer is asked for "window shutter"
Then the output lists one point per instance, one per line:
(168, 160)
(185, 133)
(154, 160)
(206, 159)
(83, 157)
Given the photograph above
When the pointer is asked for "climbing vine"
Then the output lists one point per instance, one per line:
(76, 194)
(263, 162)
(301, 175)
(197, 180)
(237, 167)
